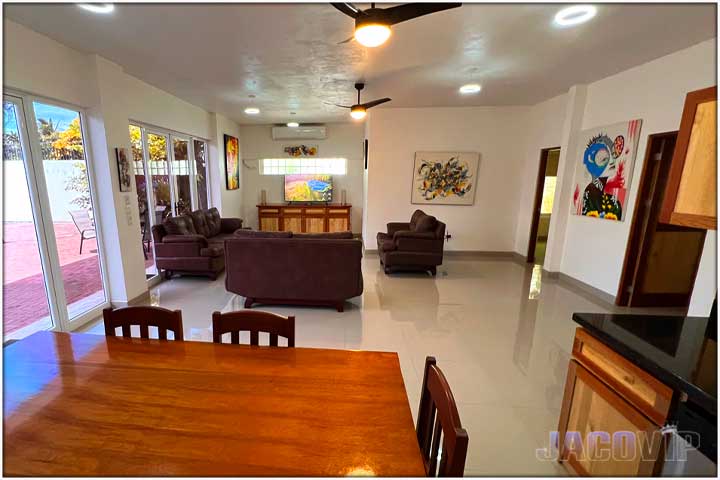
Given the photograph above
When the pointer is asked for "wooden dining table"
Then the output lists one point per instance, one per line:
(90, 405)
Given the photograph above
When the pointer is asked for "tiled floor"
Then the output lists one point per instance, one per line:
(503, 345)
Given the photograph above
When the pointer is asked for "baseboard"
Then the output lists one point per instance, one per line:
(579, 286)
(472, 255)
(139, 300)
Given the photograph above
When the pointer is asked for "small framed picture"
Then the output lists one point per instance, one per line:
(123, 170)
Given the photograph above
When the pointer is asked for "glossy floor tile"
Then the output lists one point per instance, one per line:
(501, 334)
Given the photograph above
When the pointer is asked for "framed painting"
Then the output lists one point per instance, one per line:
(232, 163)
(444, 178)
(301, 150)
(603, 172)
(123, 165)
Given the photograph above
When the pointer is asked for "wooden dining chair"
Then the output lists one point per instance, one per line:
(253, 321)
(438, 418)
(144, 317)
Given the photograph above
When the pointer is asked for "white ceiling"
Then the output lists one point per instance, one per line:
(215, 56)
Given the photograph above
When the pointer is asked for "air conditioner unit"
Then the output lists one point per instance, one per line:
(297, 133)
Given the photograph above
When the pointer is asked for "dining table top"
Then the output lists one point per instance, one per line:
(90, 405)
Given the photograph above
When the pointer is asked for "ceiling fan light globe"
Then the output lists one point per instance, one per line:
(372, 34)
(358, 113)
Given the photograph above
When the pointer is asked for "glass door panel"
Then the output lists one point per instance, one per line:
(25, 305)
(60, 137)
(181, 176)
(199, 150)
(138, 155)
(160, 176)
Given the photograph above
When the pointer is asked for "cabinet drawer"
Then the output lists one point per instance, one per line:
(637, 386)
(315, 211)
(295, 211)
(269, 210)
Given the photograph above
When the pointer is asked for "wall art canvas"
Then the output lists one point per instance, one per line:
(301, 150)
(606, 158)
(445, 178)
(232, 164)
(123, 165)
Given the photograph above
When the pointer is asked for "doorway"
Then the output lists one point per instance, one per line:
(53, 275)
(661, 260)
(542, 210)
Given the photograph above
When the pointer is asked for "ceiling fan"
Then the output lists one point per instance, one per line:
(359, 110)
(372, 26)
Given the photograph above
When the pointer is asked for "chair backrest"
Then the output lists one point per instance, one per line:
(144, 317)
(438, 417)
(253, 321)
(81, 219)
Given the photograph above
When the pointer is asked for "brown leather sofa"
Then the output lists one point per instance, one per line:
(294, 269)
(413, 246)
(193, 244)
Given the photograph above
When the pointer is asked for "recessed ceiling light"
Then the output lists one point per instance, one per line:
(470, 88)
(97, 7)
(252, 111)
(293, 124)
(575, 15)
(372, 34)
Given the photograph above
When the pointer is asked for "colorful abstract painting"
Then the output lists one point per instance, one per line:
(606, 158)
(301, 150)
(445, 178)
(232, 166)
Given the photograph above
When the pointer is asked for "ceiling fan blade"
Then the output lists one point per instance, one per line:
(348, 9)
(375, 102)
(347, 40)
(337, 105)
(402, 13)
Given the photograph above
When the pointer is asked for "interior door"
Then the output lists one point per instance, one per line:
(661, 260)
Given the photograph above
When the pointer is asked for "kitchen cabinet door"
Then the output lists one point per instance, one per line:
(603, 435)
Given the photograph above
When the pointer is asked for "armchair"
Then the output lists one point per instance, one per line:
(415, 246)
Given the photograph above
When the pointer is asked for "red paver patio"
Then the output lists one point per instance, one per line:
(25, 299)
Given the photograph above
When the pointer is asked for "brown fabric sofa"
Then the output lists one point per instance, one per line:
(294, 269)
(194, 243)
(413, 246)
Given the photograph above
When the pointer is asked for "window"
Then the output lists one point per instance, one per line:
(283, 166)
(548, 195)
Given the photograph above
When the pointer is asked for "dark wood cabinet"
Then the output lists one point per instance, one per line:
(304, 218)
(690, 195)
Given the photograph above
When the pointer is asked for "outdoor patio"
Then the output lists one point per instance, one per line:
(25, 300)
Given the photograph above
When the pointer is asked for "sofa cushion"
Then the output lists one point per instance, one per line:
(426, 223)
(212, 218)
(181, 225)
(336, 235)
(387, 245)
(259, 234)
(201, 226)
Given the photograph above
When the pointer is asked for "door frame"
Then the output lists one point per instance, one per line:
(634, 263)
(535, 221)
(40, 201)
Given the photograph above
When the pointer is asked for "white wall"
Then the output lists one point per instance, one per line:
(344, 140)
(36, 64)
(594, 250)
(499, 134)
(545, 121)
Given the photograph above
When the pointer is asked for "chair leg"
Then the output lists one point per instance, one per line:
(249, 302)
(82, 239)
(433, 271)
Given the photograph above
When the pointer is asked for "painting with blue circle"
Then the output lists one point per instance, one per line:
(604, 172)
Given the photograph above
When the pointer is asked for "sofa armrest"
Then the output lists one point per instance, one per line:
(393, 227)
(415, 235)
(229, 225)
(175, 250)
(192, 239)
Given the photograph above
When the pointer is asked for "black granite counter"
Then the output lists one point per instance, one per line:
(679, 351)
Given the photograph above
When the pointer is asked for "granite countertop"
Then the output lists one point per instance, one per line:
(679, 351)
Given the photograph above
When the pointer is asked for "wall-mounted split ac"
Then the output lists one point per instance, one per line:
(310, 132)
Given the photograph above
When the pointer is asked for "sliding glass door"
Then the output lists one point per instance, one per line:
(170, 179)
(53, 275)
